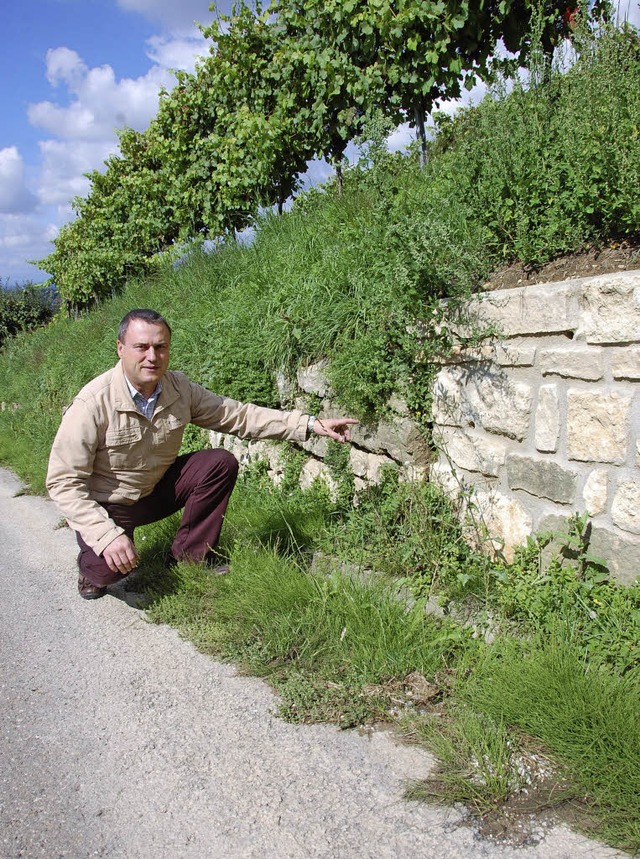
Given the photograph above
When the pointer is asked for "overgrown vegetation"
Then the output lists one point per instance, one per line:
(382, 610)
(25, 307)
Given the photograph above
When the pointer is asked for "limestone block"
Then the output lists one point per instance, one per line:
(638, 452)
(367, 465)
(542, 478)
(547, 427)
(625, 363)
(358, 461)
(625, 509)
(443, 476)
(573, 363)
(398, 405)
(286, 389)
(507, 522)
(269, 451)
(313, 379)
(240, 449)
(596, 491)
(398, 438)
(535, 309)
(515, 354)
(471, 451)
(415, 473)
(316, 445)
(597, 426)
(500, 405)
(621, 554)
(250, 451)
(459, 354)
(449, 406)
(359, 485)
(314, 470)
(612, 309)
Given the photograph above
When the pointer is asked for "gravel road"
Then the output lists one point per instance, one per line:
(119, 740)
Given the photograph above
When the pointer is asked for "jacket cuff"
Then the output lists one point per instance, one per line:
(100, 545)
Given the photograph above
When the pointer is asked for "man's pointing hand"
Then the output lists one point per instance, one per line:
(338, 429)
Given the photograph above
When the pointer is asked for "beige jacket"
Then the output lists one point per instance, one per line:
(106, 451)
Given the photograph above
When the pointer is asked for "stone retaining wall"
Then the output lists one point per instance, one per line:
(541, 422)
(545, 421)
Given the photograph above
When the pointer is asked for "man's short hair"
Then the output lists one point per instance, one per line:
(151, 316)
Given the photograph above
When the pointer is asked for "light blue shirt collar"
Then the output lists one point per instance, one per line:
(144, 405)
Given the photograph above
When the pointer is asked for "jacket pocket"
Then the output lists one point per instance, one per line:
(122, 447)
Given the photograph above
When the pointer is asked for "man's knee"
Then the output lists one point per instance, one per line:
(219, 464)
(94, 568)
(225, 461)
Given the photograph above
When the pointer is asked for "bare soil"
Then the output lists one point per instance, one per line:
(622, 256)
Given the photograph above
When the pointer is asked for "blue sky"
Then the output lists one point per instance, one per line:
(72, 72)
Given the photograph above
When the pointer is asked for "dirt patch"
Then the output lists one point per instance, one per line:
(524, 818)
(623, 256)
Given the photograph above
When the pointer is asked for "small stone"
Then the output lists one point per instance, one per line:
(574, 363)
(625, 363)
(595, 492)
(612, 309)
(542, 478)
(313, 379)
(471, 451)
(500, 405)
(506, 520)
(625, 509)
(547, 426)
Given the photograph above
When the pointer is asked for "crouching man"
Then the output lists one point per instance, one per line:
(114, 463)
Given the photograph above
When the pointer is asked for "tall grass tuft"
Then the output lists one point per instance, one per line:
(587, 718)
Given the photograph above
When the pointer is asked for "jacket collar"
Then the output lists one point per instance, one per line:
(122, 395)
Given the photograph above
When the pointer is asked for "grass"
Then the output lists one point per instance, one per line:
(588, 719)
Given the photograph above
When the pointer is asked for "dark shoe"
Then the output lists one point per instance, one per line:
(89, 591)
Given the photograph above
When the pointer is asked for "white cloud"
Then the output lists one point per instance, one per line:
(64, 165)
(15, 197)
(65, 66)
(177, 16)
(177, 53)
(100, 103)
(80, 123)
(23, 238)
(401, 137)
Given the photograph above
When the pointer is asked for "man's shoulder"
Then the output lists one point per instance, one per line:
(97, 387)
(179, 381)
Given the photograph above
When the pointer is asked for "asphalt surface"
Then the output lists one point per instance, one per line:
(118, 739)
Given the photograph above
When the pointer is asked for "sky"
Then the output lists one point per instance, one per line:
(71, 73)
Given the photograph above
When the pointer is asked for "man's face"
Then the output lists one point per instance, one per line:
(145, 354)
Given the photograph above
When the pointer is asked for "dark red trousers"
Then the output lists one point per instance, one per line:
(201, 483)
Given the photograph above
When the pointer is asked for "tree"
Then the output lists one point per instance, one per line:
(232, 141)
(121, 224)
(406, 55)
